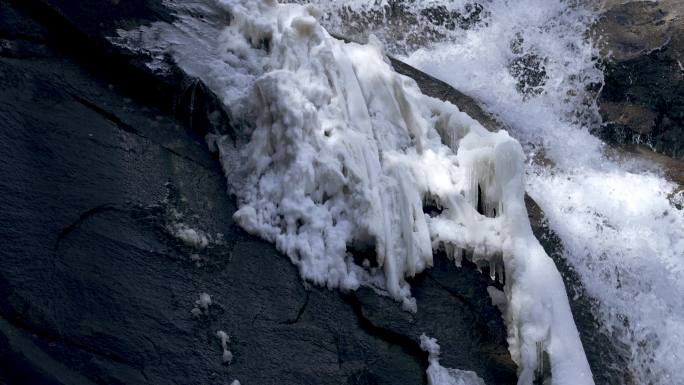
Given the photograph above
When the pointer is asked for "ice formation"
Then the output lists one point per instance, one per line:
(340, 154)
(619, 221)
(201, 305)
(204, 301)
(439, 375)
(191, 237)
(227, 355)
(343, 153)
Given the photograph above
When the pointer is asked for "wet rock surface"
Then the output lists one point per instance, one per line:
(116, 218)
(642, 102)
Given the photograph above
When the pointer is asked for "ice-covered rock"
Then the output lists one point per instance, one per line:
(341, 153)
(344, 151)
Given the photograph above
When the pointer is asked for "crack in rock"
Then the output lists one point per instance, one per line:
(80, 220)
(301, 311)
(128, 128)
(410, 346)
(458, 297)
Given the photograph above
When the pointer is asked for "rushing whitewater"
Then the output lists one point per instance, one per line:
(531, 64)
(339, 154)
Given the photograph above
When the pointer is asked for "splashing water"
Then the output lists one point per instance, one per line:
(530, 64)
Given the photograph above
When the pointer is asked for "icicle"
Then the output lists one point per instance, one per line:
(481, 264)
(468, 254)
(449, 249)
(540, 362)
(478, 254)
(502, 274)
(458, 257)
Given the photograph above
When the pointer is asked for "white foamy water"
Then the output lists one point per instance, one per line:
(618, 220)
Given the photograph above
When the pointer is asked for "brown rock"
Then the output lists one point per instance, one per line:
(642, 48)
(638, 118)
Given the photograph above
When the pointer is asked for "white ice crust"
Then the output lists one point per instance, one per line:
(340, 155)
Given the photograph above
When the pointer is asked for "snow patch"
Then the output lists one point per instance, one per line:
(358, 148)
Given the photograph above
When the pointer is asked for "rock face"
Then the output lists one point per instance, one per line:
(115, 220)
(642, 101)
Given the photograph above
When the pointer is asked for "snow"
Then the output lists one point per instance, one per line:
(196, 312)
(339, 154)
(439, 375)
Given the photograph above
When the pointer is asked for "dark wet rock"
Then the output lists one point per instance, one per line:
(438, 89)
(528, 69)
(530, 73)
(103, 163)
(470, 341)
(643, 98)
(470, 16)
(409, 24)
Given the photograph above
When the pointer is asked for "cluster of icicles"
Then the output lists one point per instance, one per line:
(340, 153)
